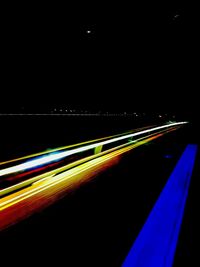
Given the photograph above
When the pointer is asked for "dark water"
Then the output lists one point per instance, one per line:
(97, 224)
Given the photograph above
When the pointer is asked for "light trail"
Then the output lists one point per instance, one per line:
(69, 146)
(60, 155)
(30, 191)
(52, 173)
(156, 244)
(23, 199)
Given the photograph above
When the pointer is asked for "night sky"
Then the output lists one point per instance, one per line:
(119, 56)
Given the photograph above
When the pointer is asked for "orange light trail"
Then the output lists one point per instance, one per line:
(25, 198)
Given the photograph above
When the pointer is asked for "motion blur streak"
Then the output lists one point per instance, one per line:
(18, 196)
(156, 243)
(45, 175)
(70, 146)
(41, 191)
(59, 155)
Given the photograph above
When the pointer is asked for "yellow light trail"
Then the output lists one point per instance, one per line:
(28, 192)
(53, 185)
(52, 173)
(69, 146)
(58, 156)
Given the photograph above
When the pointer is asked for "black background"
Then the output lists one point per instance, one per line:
(140, 55)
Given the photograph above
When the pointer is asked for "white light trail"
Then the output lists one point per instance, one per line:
(50, 158)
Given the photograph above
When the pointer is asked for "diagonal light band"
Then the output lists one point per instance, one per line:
(59, 155)
(156, 244)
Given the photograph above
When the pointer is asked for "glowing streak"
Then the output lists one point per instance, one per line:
(29, 192)
(57, 156)
(156, 244)
(69, 146)
(46, 175)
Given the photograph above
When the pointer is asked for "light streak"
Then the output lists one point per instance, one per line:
(45, 176)
(30, 191)
(60, 155)
(36, 193)
(68, 146)
(156, 244)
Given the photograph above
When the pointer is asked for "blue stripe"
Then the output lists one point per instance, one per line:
(156, 244)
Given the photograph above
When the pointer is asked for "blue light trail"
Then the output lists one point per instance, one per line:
(156, 244)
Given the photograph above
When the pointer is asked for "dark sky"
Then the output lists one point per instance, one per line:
(124, 56)
(145, 54)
